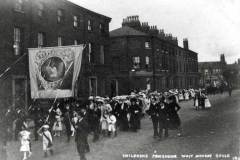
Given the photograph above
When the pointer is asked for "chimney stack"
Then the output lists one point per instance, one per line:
(185, 43)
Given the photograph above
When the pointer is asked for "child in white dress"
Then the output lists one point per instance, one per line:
(25, 147)
(111, 119)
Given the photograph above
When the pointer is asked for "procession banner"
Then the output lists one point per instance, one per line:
(54, 71)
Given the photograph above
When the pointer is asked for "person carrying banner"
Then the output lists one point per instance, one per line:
(47, 139)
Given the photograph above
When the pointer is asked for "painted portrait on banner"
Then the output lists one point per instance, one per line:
(54, 70)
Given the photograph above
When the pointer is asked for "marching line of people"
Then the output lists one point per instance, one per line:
(100, 117)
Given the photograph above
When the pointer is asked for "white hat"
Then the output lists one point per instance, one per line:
(45, 126)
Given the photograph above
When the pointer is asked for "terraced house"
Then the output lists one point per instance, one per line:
(144, 57)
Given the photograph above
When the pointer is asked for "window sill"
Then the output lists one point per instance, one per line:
(18, 11)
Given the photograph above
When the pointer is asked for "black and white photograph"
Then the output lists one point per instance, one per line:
(119, 80)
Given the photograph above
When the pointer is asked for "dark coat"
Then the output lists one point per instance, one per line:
(155, 111)
(81, 135)
(174, 120)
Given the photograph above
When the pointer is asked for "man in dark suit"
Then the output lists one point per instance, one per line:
(163, 115)
(81, 136)
(153, 112)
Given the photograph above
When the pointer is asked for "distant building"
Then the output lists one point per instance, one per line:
(211, 72)
(235, 70)
(47, 23)
(144, 57)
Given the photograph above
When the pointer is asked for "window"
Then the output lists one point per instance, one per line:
(90, 53)
(75, 42)
(101, 28)
(17, 41)
(19, 5)
(60, 41)
(60, 16)
(41, 38)
(93, 86)
(40, 9)
(206, 71)
(147, 61)
(101, 54)
(89, 25)
(136, 62)
(147, 45)
(75, 21)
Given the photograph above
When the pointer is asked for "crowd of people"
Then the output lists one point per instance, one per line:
(100, 116)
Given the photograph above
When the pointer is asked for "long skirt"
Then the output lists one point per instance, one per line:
(207, 103)
(174, 122)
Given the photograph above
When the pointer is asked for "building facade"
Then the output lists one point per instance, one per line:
(212, 72)
(144, 57)
(48, 23)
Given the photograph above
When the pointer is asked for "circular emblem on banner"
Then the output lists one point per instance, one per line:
(53, 69)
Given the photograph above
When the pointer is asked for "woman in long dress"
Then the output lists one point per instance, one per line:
(174, 120)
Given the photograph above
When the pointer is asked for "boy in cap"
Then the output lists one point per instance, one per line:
(47, 139)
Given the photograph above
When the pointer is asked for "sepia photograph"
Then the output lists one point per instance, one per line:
(119, 80)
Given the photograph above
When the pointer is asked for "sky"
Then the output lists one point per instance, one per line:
(211, 26)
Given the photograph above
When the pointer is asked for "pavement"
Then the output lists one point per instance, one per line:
(207, 134)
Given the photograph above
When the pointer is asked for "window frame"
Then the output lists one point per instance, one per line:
(17, 40)
(43, 36)
(147, 45)
(60, 40)
(136, 62)
(75, 21)
(60, 15)
(89, 25)
(102, 54)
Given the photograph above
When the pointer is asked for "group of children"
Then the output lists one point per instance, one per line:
(24, 137)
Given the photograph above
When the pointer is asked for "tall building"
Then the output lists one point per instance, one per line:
(144, 57)
(47, 23)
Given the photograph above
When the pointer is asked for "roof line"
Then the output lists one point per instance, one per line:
(76, 5)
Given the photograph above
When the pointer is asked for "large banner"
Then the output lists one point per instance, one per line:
(54, 71)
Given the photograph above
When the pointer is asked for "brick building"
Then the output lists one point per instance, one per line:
(211, 72)
(30, 24)
(144, 57)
